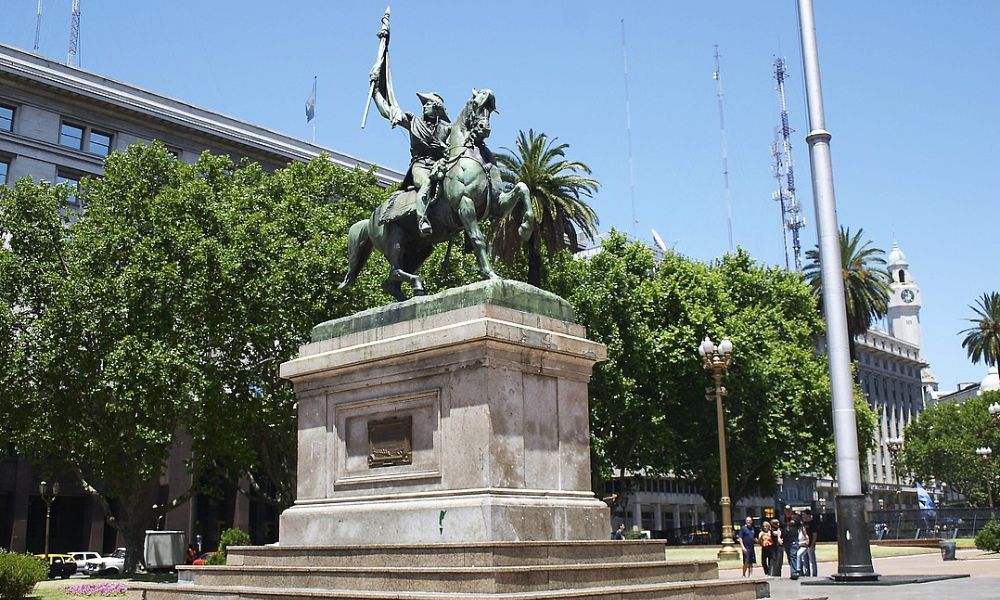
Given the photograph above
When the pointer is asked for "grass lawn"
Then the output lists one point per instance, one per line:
(55, 589)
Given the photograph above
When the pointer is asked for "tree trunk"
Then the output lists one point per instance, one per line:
(135, 518)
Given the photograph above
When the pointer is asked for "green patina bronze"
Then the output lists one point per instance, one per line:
(452, 184)
(510, 294)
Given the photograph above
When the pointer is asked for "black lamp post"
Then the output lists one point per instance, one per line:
(48, 494)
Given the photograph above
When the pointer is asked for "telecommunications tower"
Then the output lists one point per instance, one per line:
(717, 76)
(38, 25)
(791, 217)
(74, 34)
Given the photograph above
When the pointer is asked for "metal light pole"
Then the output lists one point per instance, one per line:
(717, 360)
(854, 556)
(986, 455)
(48, 494)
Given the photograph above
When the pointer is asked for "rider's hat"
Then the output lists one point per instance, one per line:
(426, 97)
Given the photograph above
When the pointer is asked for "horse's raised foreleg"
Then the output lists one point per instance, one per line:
(507, 202)
(467, 214)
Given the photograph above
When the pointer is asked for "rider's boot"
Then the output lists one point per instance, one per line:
(423, 225)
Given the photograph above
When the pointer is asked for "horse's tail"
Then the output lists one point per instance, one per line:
(359, 248)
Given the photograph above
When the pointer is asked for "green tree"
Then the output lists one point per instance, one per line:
(866, 282)
(982, 340)
(648, 407)
(165, 310)
(557, 187)
(942, 444)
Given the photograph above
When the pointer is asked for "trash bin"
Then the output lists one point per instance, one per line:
(164, 549)
(947, 550)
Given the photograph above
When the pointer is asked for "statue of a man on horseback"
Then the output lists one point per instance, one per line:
(452, 183)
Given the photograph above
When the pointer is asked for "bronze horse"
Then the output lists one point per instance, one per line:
(468, 192)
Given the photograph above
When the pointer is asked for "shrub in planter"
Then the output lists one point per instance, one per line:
(19, 573)
(229, 537)
(988, 537)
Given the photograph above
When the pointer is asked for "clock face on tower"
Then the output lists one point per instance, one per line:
(907, 296)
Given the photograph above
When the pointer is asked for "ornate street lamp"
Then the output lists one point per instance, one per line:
(717, 359)
(986, 455)
(48, 494)
(995, 412)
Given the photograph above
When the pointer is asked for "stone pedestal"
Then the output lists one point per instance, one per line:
(461, 417)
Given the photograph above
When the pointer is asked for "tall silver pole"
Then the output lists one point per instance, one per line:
(855, 561)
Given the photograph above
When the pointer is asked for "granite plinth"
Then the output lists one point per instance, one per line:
(604, 570)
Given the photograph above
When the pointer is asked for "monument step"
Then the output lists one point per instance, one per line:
(489, 579)
(714, 589)
(480, 554)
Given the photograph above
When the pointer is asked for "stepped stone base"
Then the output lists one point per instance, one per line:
(511, 570)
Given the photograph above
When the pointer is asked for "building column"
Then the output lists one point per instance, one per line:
(657, 517)
(241, 506)
(96, 536)
(637, 514)
(179, 481)
(22, 493)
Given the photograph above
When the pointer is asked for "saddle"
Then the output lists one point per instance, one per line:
(401, 204)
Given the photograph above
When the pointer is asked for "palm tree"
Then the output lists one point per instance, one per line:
(866, 282)
(556, 186)
(982, 340)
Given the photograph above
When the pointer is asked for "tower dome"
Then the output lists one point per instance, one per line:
(991, 382)
(896, 257)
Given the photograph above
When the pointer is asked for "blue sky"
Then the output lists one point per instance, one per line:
(910, 90)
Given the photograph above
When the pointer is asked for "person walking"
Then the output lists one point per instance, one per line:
(766, 547)
(812, 532)
(778, 548)
(793, 537)
(619, 534)
(746, 536)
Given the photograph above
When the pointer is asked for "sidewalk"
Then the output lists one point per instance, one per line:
(983, 583)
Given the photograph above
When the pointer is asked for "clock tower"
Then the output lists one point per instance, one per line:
(904, 301)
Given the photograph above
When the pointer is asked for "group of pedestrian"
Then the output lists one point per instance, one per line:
(792, 537)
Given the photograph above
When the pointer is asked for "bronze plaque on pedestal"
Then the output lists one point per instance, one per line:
(389, 442)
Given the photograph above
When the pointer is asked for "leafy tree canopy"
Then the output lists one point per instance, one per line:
(166, 307)
(942, 444)
(648, 407)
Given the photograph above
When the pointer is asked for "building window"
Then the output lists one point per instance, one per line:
(6, 118)
(71, 182)
(4, 167)
(85, 139)
(99, 143)
(71, 136)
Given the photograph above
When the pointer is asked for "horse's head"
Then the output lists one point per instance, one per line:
(475, 118)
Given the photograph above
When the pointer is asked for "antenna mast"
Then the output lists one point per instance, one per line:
(38, 25)
(778, 170)
(790, 207)
(74, 34)
(628, 132)
(717, 76)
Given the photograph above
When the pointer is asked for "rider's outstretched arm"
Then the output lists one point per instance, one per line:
(390, 111)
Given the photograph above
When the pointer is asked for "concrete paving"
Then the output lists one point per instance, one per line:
(983, 581)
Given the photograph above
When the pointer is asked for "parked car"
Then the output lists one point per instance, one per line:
(81, 559)
(203, 558)
(112, 564)
(60, 565)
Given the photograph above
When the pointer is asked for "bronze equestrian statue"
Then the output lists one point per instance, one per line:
(469, 190)
(452, 184)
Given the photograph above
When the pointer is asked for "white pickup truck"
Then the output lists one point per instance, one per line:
(112, 564)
